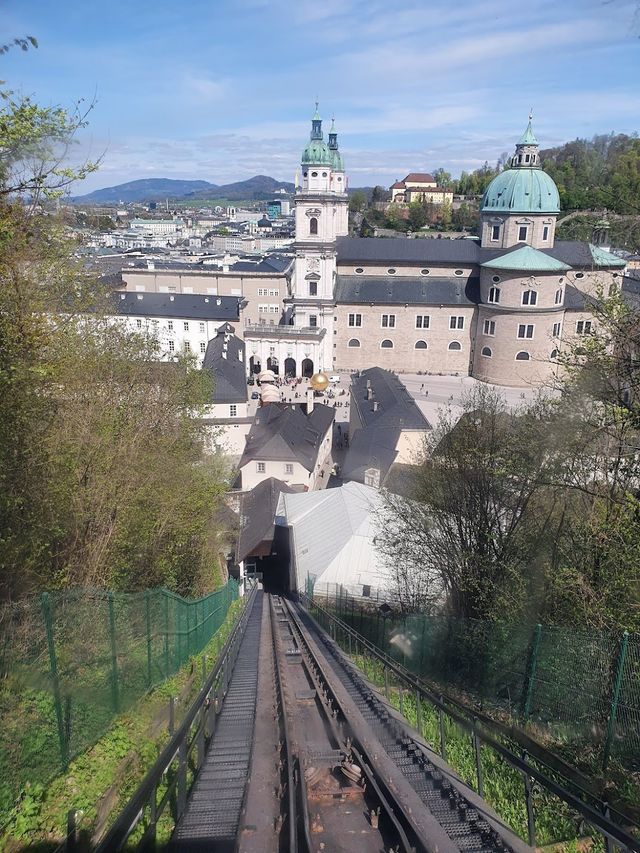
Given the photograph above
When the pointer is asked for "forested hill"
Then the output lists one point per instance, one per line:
(591, 174)
(602, 172)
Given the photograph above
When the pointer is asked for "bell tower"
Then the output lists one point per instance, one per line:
(321, 208)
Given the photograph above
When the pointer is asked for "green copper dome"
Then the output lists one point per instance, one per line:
(316, 154)
(336, 161)
(521, 191)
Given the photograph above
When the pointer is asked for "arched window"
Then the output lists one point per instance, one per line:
(529, 297)
(354, 342)
(313, 225)
(421, 345)
(494, 294)
(554, 354)
(455, 345)
(558, 296)
(386, 344)
(486, 352)
(523, 355)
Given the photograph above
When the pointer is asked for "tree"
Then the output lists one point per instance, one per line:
(446, 214)
(357, 202)
(379, 194)
(417, 215)
(443, 179)
(103, 478)
(478, 518)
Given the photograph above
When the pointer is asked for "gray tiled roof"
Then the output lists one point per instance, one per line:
(396, 407)
(374, 447)
(399, 250)
(225, 359)
(410, 290)
(284, 432)
(257, 511)
(190, 305)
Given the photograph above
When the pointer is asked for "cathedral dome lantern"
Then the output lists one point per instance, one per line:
(317, 151)
(336, 159)
(521, 204)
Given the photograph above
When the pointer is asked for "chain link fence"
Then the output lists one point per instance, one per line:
(71, 661)
(568, 685)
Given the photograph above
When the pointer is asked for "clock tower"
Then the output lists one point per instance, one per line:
(321, 207)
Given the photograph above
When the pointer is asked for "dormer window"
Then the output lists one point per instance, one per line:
(527, 157)
(522, 233)
(545, 233)
(495, 232)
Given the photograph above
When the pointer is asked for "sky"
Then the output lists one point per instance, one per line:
(221, 90)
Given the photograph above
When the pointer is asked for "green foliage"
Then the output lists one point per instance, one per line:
(603, 172)
(357, 201)
(417, 215)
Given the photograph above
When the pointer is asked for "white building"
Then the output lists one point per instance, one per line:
(158, 226)
(182, 322)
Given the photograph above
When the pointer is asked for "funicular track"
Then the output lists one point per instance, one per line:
(289, 750)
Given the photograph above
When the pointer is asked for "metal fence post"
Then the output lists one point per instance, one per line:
(166, 633)
(115, 692)
(530, 677)
(147, 602)
(615, 698)
(528, 791)
(53, 668)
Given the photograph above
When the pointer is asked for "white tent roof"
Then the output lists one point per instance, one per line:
(333, 533)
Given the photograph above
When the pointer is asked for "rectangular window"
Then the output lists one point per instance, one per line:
(187, 346)
(366, 590)
(186, 326)
(233, 410)
(313, 321)
(260, 467)
(525, 331)
(202, 327)
(274, 293)
(494, 295)
(545, 232)
(313, 288)
(558, 296)
(139, 323)
(422, 321)
(203, 347)
(388, 321)
(456, 322)
(288, 468)
(522, 233)
(489, 327)
(495, 232)
(273, 309)
(355, 319)
(529, 297)
(170, 325)
(583, 327)
(556, 330)
(263, 309)
(171, 346)
(262, 291)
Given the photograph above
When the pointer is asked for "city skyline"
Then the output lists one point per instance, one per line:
(226, 94)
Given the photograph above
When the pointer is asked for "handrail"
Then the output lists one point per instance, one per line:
(146, 792)
(611, 831)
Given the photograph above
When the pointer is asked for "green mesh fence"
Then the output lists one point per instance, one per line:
(71, 661)
(569, 686)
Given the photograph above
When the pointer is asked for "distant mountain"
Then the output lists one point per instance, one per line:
(147, 189)
(259, 188)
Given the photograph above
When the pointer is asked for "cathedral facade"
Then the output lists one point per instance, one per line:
(498, 308)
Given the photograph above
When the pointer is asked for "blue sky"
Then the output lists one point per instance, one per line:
(223, 90)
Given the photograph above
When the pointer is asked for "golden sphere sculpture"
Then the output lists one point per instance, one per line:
(319, 382)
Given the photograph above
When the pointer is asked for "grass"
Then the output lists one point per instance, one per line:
(101, 779)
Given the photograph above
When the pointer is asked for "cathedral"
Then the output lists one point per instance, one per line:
(498, 307)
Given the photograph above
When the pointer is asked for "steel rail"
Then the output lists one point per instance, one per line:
(612, 832)
(401, 822)
(291, 761)
(202, 712)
